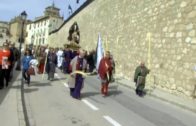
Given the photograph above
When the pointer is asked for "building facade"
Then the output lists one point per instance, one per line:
(15, 27)
(38, 30)
(4, 32)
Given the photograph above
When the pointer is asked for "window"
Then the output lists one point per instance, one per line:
(39, 41)
(1, 36)
(43, 41)
(26, 34)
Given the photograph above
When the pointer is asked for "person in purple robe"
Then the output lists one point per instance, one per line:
(76, 79)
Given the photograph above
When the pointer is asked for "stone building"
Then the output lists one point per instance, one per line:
(16, 28)
(160, 32)
(38, 30)
(4, 32)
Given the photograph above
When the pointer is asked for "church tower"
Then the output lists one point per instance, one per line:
(52, 11)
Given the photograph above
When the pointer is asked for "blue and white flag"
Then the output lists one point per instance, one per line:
(99, 51)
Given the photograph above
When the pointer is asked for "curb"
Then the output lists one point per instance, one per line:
(173, 102)
(23, 106)
(20, 109)
(29, 115)
(24, 103)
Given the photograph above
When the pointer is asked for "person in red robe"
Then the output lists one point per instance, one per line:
(104, 71)
(42, 58)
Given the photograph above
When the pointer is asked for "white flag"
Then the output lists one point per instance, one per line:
(100, 51)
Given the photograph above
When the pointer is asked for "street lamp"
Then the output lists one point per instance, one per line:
(23, 16)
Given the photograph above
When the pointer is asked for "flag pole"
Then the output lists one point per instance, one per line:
(106, 49)
(149, 36)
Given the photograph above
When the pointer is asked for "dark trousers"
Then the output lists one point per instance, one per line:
(4, 74)
(1, 78)
(11, 72)
(26, 76)
(71, 91)
(91, 68)
(140, 90)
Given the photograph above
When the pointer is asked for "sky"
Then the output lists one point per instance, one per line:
(34, 8)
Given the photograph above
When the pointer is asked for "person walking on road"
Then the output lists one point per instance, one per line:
(104, 71)
(78, 65)
(51, 64)
(25, 66)
(140, 78)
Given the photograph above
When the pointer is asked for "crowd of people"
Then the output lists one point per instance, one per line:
(69, 61)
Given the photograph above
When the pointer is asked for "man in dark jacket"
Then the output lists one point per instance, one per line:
(140, 78)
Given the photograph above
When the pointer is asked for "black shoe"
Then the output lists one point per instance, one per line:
(28, 81)
(136, 92)
(141, 94)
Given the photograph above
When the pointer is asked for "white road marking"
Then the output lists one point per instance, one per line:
(113, 122)
(66, 85)
(90, 105)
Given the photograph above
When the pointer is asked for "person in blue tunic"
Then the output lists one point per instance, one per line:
(26, 64)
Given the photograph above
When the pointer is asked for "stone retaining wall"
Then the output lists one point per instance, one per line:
(129, 25)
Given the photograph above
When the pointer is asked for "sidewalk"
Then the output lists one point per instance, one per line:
(189, 104)
(11, 111)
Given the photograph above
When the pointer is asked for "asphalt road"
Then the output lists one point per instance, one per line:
(51, 105)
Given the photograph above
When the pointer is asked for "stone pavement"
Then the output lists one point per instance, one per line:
(186, 103)
(11, 110)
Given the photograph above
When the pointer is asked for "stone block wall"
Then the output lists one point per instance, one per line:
(160, 32)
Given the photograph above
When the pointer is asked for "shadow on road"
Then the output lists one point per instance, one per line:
(38, 84)
(4, 92)
(58, 79)
(29, 90)
(113, 90)
(89, 94)
(114, 93)
(114, 87)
